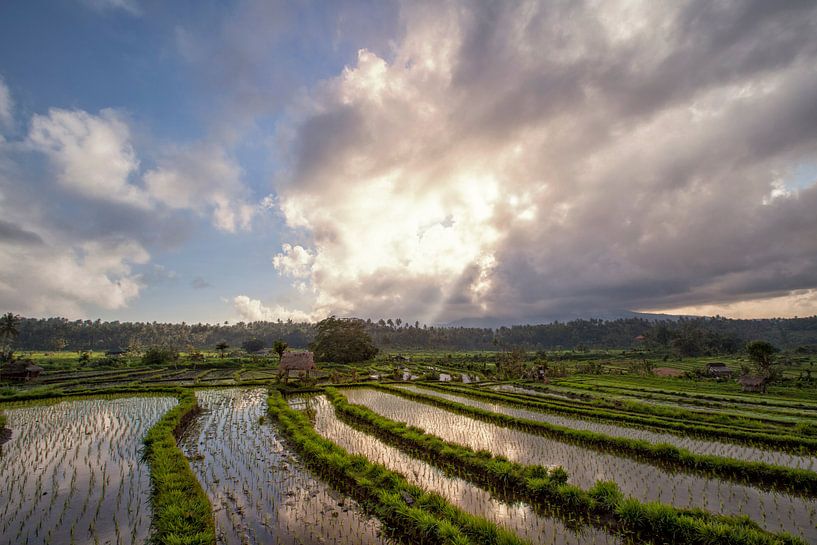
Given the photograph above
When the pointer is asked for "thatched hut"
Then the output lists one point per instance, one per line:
(753, 384)
(718, 369)
(20, 371)
(302, 362)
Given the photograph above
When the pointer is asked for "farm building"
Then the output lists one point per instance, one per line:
(753, 384)
(20, 370)
(399, 357)
(296, 361)
(718, 369)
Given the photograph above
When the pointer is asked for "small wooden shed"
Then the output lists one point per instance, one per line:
(296, 361)
(718, 369)
(753, 384)
(20, 371)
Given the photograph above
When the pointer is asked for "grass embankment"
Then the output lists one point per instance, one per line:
(757, 422)
(794, 481)
(723, 392)
(182, 514)
(45, 393)
(5, 433)
(723, 413)
(604, 504)
(406, 510)
(770, 438)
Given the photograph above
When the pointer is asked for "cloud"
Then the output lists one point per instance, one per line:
(129, 6)
(92, 154)
(252, 310)
(204, 179)
(76, 227)
(294, 261)
(40, 279)
(492, 165)
(6, 105)
(200, 283)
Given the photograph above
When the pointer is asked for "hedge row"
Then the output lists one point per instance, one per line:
(182, 514)
(604, 503)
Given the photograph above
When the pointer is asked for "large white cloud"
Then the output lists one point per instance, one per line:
(253, 310)
(92, 154)
(202, 178)
(81, 248)
(541, 159)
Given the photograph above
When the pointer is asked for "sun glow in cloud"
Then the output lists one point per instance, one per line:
(505, 172)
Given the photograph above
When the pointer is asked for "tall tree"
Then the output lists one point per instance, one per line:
(280, 347)
(762, 355)
(342, 340)
(9, 330)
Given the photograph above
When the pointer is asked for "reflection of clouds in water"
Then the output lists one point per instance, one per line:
(518, 518)
(259, 491)
(76, 465)
(773, 511)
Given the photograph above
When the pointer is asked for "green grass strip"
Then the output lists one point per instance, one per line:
(182, 514)
(762, 418)
(791, 443)
(411, 513)
(604, 503)
(790, 480)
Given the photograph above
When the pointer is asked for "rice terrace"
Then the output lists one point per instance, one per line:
(416, 272)
(234, 446)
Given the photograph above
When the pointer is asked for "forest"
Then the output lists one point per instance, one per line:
(684, 336)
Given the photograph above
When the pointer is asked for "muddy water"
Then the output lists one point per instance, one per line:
(698, 446)
(260, 492)
(72, 473)
(517, 517)
(772, 510)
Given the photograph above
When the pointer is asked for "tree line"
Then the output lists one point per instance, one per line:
(685, 336)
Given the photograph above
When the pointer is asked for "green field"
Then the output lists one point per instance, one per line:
(411, 447)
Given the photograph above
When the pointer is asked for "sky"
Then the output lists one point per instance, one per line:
(437, 161)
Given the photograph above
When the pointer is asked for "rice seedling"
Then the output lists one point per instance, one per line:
(775, 511)
(260, 491)
(72, 471)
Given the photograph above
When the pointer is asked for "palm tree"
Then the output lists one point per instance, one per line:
(9, 330)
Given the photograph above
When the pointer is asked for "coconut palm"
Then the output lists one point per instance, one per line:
(9, 330)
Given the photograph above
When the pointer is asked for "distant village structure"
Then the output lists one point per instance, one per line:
(302, 362)
(718, 370)
(20, 371)
(753, 384)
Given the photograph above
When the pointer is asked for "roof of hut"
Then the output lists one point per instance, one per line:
(751, 380)
(297, 361)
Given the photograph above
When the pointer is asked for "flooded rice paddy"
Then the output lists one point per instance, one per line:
(774, 511)
(260, 492)
(698, 446)
(72, 473)
(517, 517)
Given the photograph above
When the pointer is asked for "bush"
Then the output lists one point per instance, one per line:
(160, 355)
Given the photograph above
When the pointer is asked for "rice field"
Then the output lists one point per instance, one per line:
(699, 446)
(72, 472)
(774, 511)
(259, 490)
(517, 517)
